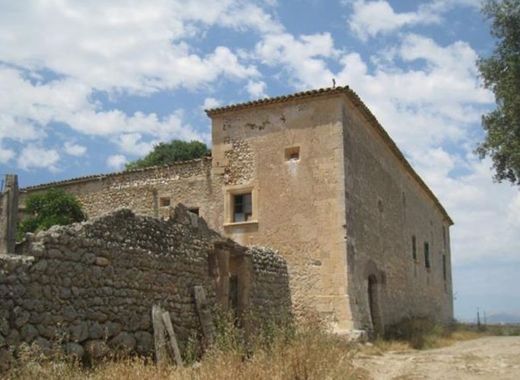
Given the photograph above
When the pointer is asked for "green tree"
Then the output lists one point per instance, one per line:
(167, 153)
(501, 74)
(47, 209)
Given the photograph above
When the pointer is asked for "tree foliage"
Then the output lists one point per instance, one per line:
(44, 210)
(501, 74)
(167, 153)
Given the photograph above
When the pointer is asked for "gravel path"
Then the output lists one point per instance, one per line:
(484, 358)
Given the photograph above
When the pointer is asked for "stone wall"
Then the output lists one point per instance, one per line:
(147, 191)
(297, 202)
(385, 208)
(91, 286)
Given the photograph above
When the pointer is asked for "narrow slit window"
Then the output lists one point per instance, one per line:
(242, 207)
(444, 269)
(414, 248)
(427, 255)
(164, 201)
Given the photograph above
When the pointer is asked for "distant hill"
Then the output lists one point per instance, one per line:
(503, 318)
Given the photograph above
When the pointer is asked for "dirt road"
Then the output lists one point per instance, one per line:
(484, 358)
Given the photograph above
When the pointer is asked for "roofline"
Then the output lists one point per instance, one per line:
(356, 100)
(100, 177)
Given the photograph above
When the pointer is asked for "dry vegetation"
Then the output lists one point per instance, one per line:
(306, 352)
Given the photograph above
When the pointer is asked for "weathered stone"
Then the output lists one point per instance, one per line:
(97, 316)
(48, 331)
(28, 333)
(43, 345)
(74, 350)
(123, 342)
(79, 332)
(21, 317)
(13, 339)
(102, 261)
(65, 293)
(4, 326)
(6, 360)
(95, 331)
(95, 349)
(70, 314)
(144, 342)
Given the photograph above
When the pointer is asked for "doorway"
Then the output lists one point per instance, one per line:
(373, 305)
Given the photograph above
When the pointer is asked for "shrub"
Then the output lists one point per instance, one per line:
(167, 153)
(420, 332)
(53, 207)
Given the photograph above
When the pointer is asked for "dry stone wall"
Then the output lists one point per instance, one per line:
(145, 190)
(90, 287)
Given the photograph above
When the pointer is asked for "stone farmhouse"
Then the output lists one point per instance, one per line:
(316, 177)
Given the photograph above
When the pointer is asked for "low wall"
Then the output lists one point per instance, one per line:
(90, 287)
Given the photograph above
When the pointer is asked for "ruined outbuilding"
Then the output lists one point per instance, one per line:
(89, 288)
(315, 176)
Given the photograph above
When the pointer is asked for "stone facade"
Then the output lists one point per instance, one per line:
(329, 190)
(90, 287)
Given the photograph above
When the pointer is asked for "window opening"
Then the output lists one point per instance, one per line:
(427, 255)
(414, 248)
(194, 210)
(164, 201)
(292, 154)
(444, 271)
(242, 207)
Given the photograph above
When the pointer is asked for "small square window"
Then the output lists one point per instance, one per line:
(164, 201)
(292, 154)
(242, 207)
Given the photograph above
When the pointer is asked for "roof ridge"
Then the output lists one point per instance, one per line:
(277, 99)
(112, 174)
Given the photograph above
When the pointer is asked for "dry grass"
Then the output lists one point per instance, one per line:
(304, 353)
(381, 346)
(422, 333)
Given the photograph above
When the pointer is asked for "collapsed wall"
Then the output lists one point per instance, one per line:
(90, 287)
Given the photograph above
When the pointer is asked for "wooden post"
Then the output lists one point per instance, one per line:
(161, 354)
(173, 340)
(9, 214)
(203, 309)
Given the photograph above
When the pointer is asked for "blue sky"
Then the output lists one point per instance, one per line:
(87, 86)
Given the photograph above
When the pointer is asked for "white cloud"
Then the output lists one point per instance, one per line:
(429, 106)
(370, 18)
(55, 57)
(74, 149)
(303, 57)
(33, 156)
(116, 161)
(438, 99)
(113, 46)
(210, 103)
(6, 155)
(256, 89)
(485, 228)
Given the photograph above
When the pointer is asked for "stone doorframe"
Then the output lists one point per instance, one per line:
(230, 262)
(375, 280)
